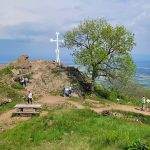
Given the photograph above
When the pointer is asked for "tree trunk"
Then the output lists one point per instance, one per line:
(92, 87)
(93, 80)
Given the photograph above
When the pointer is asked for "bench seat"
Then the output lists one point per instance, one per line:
(34, 106)
(27, 109)
(26, 112)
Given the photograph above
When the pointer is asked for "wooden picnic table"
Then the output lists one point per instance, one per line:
(28, 108)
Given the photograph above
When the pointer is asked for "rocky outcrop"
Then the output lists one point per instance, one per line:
(23, 58)
(46, 77)
(22, 65)
(5, 102)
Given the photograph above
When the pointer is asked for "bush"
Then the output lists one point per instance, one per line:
(138, 145)
(101, 91)
(113, 95)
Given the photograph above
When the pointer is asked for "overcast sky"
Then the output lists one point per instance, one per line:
(27, 25)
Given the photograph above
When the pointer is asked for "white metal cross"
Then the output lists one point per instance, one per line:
(57, 46)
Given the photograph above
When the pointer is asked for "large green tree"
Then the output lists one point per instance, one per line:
(103, 49)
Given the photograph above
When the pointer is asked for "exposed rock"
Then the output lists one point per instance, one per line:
(23, 58)
(22, 63)
(45, 77)
(106, 113)
(5, 102)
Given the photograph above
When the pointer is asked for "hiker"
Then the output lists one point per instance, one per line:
(143, 103)
(22, 81)
(148, 104)
(30, 97)
(70, 91)
(26, 80)
(67, 91)
(64, 91)
(20, 78)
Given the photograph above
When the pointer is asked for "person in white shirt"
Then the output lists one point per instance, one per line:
(143, 103)
(30, 97)
(22, 81)
(148, 104)
(67, 91)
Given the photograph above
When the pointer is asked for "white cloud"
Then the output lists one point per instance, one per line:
(43, 15)
(37, 19)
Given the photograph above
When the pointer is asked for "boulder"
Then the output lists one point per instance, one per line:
(106, 113)
(23, 58)
(22, 63)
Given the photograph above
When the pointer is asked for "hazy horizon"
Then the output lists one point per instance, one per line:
(26, 26)
(68, 58)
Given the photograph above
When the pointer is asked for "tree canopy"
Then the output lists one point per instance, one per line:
(103, 49)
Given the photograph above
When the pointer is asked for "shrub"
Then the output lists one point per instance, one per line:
(101, 91)
(113, 95)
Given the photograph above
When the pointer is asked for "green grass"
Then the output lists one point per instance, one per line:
(7, 92)
(8, 106)
(74, 130)
(102, 100)
(110, 96)
(6, 71)
(17, 86)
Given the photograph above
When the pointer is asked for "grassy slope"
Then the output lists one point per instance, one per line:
(74, 130)
(9, 91)
(107, 96)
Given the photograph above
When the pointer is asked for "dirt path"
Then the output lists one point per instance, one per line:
(54, 100)
(6, 121)
(77, 105)
(121, 107)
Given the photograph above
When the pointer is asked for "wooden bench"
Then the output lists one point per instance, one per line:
(28, 109)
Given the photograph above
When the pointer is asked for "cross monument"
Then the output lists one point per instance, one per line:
(57, 46)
